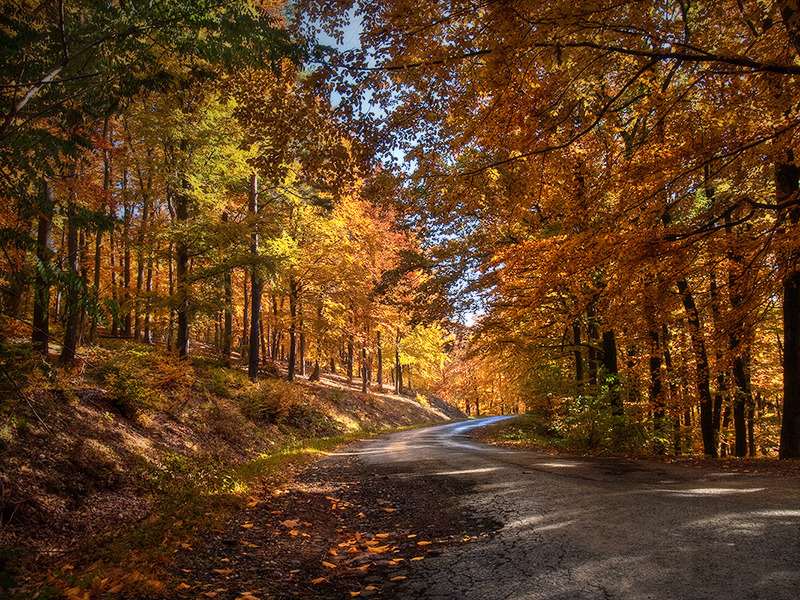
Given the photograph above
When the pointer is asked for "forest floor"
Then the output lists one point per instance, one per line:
(112, 472)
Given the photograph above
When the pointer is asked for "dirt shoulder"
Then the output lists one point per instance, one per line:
(336, 530)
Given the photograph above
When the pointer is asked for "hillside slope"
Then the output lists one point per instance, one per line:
(90, 451)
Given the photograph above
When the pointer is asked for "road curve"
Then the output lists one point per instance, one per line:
(591, 528)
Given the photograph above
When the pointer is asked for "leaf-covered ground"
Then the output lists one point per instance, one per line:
(99, 497)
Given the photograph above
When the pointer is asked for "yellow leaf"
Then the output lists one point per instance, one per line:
(382, 535)
(364, 567)
(247, 526)
(354, 594)
(424, 543)
(378, 549)
(418, 558)
(329, 565)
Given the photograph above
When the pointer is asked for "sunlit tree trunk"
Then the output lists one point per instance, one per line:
(256, 284)
(380, 362)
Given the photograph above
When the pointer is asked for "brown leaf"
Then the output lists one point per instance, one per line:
(290, 524)
(398, 578)
(247, 526)
(364, 567)
(318, 580)
(182, 586)
(329, 565)
(223, 572)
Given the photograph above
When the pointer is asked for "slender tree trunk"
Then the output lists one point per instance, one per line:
(612, 371)
(364, 370)
(245, 321)
(72, 311)
(41, 291)
(293, 293)
(256, 284)
(656, 381)
(227, 333)
(576, 340)
(398, 368)
(126, 256)
(350, 359)
(701, 360)
(148, 302)
(182, 274)
(380, 362)
(302, 349)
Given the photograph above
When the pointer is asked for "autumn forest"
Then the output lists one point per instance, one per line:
(583, 210)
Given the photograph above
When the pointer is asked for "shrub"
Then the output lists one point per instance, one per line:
(271, 399)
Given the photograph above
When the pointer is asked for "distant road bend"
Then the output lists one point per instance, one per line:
(573, 528)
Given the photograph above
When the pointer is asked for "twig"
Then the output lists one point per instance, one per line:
(25, 397)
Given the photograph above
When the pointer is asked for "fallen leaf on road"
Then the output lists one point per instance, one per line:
(413, 535)
(333, 552)
(424, 543)
(364, 567)
(182, 586)
(353, 550)
(318, 580)
(223, 572)
(370, 588)
(354, 594)
(329, 565)
(418, 558)
(247, 525)
(253, 502)
(398, 578)
(390, 509)
(382, 535)
(290, 524)
(378, 549)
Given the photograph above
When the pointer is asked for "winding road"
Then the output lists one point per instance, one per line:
(595, 528)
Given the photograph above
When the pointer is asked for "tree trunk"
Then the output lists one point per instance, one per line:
(73, 305)
(702, 375)
(182, 276)
(398, 369)
(612, 372)
(380, 362)
(293, 293)
(350, 359)
(787, 175)
(41, 292)
(364, 370)
(245, 321)
(256, 284)
(227, 327)
(576, 341)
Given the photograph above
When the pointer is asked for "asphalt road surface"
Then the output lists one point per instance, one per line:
(575, 528)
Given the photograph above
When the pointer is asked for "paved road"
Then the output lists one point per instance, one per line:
(573, 528)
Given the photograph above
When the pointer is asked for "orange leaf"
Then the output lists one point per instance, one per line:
(223, 572)
(398, 578)
(382, 535)
(247, 526)
(329, 565)
(318, 580)
(364, 567)
(424, 543)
